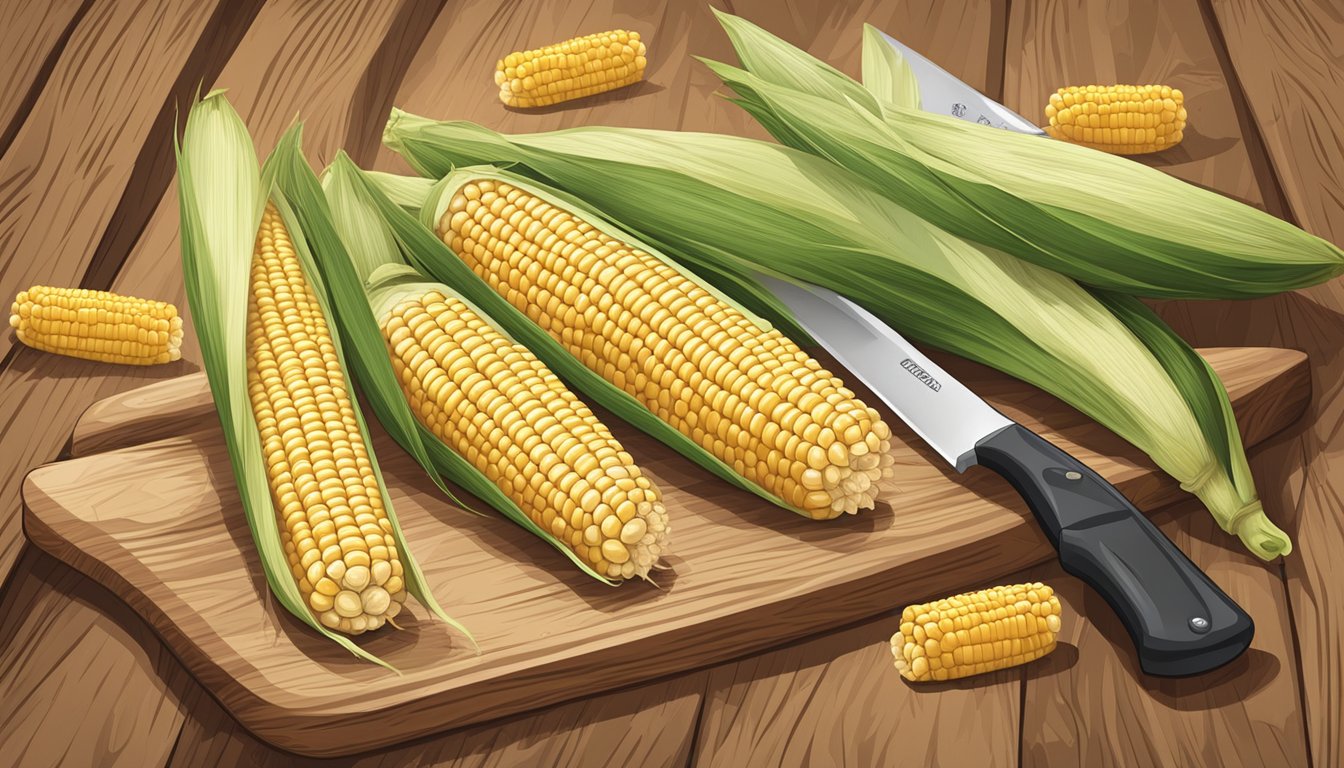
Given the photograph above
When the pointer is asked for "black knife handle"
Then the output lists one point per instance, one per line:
(1180, 621)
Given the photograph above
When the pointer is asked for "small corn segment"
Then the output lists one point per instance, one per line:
(976, 632)
(573, 69)
(1120, 119)
(749, 396)
(503, 410)
(97, 325)
(332, 523)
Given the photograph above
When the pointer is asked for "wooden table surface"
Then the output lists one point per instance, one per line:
(87, 197)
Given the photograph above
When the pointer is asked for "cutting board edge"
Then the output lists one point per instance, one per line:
(313, 732)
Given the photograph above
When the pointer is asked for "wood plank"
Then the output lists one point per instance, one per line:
(64, 174)
(652, 725)
(837, 700)
(337, 61)
(1057, 43)
(34, 32)
(743, 576)
(1245, 713)
(83, 680)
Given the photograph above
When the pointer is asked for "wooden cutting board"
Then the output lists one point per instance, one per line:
(148, 508)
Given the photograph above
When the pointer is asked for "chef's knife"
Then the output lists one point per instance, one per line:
(1181, 622)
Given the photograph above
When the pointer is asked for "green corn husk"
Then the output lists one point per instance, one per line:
(223, 195)
(752, 205)
(1101, 219)
(885, 73)
(368, 275)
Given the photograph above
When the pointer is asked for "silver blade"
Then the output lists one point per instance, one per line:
(950, 417)
(941, 92)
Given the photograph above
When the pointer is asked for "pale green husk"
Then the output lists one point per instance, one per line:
(368, 274)
(885, 72)
(222, 196)
(707, 198)
(1101, 219)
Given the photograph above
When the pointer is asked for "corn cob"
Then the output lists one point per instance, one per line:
(976, 632)
(573, 69)
(746, 394)
(333, 527)
(97, 325)
(1120, 119)
(506, 413)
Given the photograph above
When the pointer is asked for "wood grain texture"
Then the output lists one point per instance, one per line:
(651, 725)
(1057, 43)
(743, 576)
(83, 680)
(837, 700)
(1098, 709)
(33, 35)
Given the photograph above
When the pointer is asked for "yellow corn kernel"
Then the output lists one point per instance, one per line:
(976, 632)
(97, 325)
(1120, 119)
(573, 69)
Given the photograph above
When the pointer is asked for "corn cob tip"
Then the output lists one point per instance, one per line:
(976, 632)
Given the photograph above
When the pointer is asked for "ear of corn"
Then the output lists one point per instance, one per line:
(737, 201)
(976, 632)
(97, 325)
(314, 499)
(1120, 119)
(1100, 219)
(582, 66)
(741, 390)
(494, 419)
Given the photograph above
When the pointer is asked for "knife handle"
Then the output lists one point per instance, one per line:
(1180, 621)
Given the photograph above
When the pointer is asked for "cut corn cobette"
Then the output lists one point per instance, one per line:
(97, 325)
(579, 67)
(976, 632)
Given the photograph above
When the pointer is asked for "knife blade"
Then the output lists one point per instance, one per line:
(1180, 621)
(940, 91)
